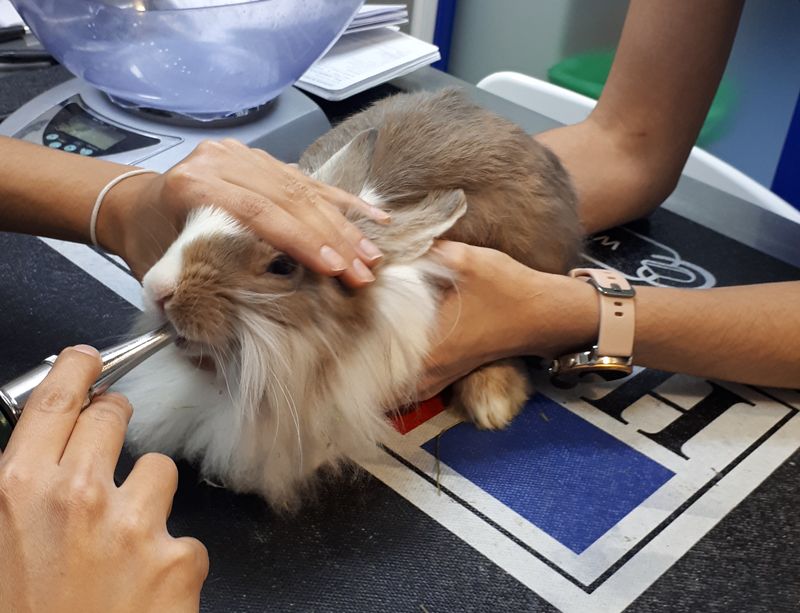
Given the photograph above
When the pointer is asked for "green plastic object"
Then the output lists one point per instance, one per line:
(587, 74)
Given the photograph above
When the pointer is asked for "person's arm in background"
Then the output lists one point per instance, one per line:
(625, 160)
(52, 193)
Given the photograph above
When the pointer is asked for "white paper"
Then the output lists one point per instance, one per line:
(377, 9)
(365, 59)
(374, 26)
(376, 16)
(8, 16)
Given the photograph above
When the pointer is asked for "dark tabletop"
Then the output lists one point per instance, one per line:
(570, 510)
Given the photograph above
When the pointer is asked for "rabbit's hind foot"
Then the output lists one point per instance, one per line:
(494, 394)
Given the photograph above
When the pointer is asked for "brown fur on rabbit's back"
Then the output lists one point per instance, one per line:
(520, 199)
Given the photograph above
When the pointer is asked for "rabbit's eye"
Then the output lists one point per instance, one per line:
(283, 265)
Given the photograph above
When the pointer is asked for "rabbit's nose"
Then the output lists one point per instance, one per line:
(161, 303)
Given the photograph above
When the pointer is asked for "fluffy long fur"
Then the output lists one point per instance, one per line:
(302, 369)
(306, 419)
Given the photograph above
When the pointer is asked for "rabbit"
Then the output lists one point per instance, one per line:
(279, 373)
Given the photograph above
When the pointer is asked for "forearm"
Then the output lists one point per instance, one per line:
(52, 193)
(614, 185)
(627, 157)
(748, 334)
(48, 192)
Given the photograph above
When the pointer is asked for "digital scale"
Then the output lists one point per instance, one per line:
(79, 119)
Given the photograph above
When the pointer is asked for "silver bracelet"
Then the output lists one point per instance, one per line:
(96, 210)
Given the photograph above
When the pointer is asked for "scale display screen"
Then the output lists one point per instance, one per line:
(93, 133)
(74, 130)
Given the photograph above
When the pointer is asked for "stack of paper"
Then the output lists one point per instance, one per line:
(366, 59)
(378, 16)
(8, 16)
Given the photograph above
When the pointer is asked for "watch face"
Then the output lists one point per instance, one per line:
(566, 372)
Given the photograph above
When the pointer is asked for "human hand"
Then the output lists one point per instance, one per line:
(142, 215)
(500, 308)
(477, 316)
(70, 540)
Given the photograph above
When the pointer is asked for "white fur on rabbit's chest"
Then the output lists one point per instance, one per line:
(169, 390)
(300, 423)
(179, 409)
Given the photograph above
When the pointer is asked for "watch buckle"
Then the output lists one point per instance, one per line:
(567, 371)
(615, 291)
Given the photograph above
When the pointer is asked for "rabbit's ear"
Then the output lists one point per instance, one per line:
(414, 227)
(349, 167)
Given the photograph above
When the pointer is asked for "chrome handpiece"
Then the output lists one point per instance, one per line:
(117, 361)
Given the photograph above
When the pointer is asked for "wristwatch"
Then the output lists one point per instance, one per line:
(611, 357)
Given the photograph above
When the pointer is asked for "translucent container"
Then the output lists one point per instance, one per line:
(197, 57)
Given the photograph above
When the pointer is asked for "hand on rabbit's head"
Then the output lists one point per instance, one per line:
(218, 276)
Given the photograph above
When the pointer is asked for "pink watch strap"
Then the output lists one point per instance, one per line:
(617, 322)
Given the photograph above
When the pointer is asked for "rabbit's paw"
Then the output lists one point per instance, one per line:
(494, 394)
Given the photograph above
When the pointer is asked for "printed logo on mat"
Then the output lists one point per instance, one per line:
(593, 493)
(642, 260)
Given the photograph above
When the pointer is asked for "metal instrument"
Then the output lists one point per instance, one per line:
(117, 361)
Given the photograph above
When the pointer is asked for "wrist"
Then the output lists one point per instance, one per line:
(120, 212)
(562, 315)
(611, 357)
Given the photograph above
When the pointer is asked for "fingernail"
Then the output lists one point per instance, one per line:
(370, 250)
(380, 214)
(333, 260)
(362, 272)
(88, 350)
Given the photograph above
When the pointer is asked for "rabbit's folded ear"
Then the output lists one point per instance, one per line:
(349, 167)
(414, 227)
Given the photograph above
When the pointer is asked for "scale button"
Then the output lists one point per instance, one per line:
(55, 145)
(52, 137)
(70, 148)
(86, 151)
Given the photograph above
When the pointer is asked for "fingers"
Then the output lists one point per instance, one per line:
(195, 555)
(456, 256)
(151, 485)
(430, 386)
(99, 433)
(338, 197)
(332, 203)
(150, 488)
(294, 212)
(446, 363)
(344, 200)
(346, 239)
(308, 200)
(187, 566)
(148, 494)
(53, 408)
(307, 236)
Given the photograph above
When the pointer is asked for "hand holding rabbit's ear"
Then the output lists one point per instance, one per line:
(142, 215)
